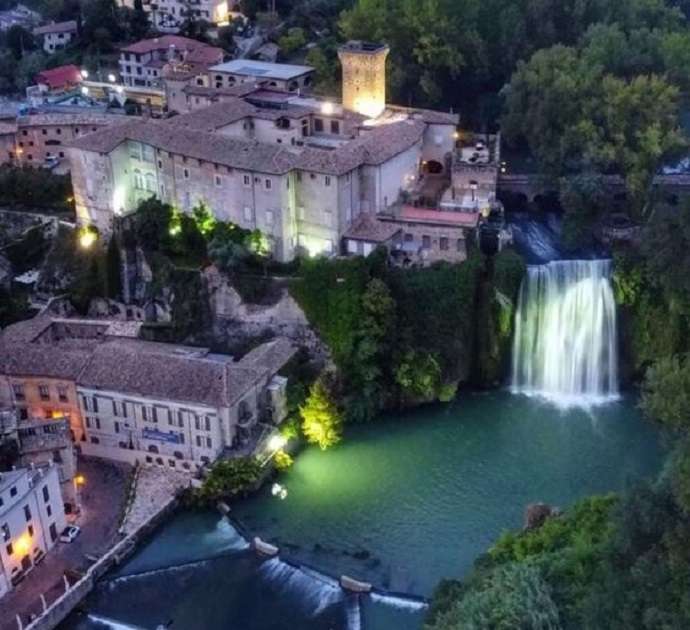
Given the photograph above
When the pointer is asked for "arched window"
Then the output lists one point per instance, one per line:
(152, 448)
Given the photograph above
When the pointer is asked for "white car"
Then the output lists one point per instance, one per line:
(70, 533)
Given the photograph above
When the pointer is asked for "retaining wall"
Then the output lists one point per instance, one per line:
(61, 607)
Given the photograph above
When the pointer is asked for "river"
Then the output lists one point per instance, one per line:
(402, 502)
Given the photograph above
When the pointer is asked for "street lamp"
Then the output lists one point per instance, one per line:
(84, 73)
(274, 444)
(85, 90)
(112, 78)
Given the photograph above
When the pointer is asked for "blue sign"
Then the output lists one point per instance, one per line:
(159, 436)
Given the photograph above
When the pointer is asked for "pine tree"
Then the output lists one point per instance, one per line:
(322, 423)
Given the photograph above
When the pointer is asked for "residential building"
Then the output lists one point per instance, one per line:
(142, 63)
(167, 16)
(42, 442)
(60, 79)
(56, 35)
(142, 402)
(281, 76)
(30, 139)
(301, 169)
(31, 520)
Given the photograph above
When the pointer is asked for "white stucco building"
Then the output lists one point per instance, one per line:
(249, 144)
(32, 517)
(56, 35)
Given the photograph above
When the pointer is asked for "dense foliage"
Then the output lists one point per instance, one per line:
(401, 337)
(322, 422)
(229, 478)
(36, 188)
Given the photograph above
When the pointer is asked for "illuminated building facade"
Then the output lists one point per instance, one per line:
(32, 516)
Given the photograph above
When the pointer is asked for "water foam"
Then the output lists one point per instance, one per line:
(399, 602)
(565, 347)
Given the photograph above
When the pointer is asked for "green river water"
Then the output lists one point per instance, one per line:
(402, 502)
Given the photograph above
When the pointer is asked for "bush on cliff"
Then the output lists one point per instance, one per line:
(229, 478)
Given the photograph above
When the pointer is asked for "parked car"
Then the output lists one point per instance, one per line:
(70, 533)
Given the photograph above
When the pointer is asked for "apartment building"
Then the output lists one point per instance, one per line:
(137, 401)
(31, 139)
(32, 517)
(57, 35)
(42, 442)
(142, 63)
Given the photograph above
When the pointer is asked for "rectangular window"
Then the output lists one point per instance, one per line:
(154, 414)
(95, 404)
(170, 417)
(116, 425)
(426, 241)
(144, 414)
(460, 245)
(198, 441)
(44, 392)
(185, 173)
(62, 393)
(218, 181)
(115, 409)
(247, 180)
(10, 549)
(197, 424)
(209, 442)
(247, 213)
(98, 423)
(318, 125)
(88, 422)
(180, 418)
(18, 391)
(53, 532)
(49, 510)
(31, 531)
(27, 512)
(327, 180)
(46, 494)
(95, 440)
(6, 532)
(443, 243)
(124, 409)
(207, 423)
(268, 184)
(335, 126)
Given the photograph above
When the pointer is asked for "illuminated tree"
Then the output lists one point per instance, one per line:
(322, 423)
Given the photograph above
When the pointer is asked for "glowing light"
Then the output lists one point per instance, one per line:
(23, 544)
(85, 74)
(276, 442)
(84, 90)
(279, 491)
(57, 414)
(112, 78)
(80, 480)
(221, 14)
(369, 107)
(327, 108)
(119, 89)
(87, 237)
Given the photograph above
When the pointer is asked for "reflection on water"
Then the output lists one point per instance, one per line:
(401, 503)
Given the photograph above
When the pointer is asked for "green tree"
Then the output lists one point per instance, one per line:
(229, 478)
(292, 41)
(666, 392)
(419, 375)
(321, 420)
(27, 68)
(515, 596)
(374, 341)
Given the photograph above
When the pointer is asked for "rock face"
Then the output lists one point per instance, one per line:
(536, 515)
(234, 320)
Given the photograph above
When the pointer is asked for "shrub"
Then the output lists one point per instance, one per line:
(282, 460)
(321, 420)
(229, 478)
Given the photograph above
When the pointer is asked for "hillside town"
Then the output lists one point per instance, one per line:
(288, 294)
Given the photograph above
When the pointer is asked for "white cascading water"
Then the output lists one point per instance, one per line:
(565, 346)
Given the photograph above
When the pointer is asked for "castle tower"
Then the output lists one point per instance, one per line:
(364, 77)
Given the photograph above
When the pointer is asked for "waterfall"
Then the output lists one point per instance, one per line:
(565, 346)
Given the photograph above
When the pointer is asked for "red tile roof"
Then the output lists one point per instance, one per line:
(441, 217)
(59, 77)
(165, 42)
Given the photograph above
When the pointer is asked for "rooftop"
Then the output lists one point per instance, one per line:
(367, 227)
(57, 27)
(449, 218)
(164, 43)
(262, 69)
(10, 477)
(358, 46)
(60, 76)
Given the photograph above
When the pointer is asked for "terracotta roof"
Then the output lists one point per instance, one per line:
(367, 227)
(57, 27)
(60, 76)
(216, 115)
(26, 359)
(440, 217)
(164, 43)
(189, 135)
(269, 356)
(241, 89)
(82, 118)
(130, 369)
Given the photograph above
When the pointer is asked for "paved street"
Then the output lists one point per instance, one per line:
(102, 498)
